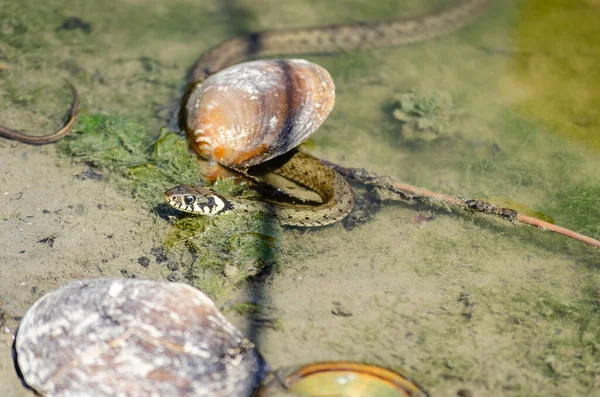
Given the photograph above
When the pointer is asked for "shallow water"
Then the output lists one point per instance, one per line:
(462, 303)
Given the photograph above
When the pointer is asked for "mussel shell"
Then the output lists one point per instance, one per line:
(251, 112)
(117, 337)
(340, 379)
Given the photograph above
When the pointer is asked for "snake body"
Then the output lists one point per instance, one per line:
(337, 196)
(335, 192)
(338, 38)
(48, 138)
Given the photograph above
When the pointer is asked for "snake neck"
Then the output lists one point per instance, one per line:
(338, 38)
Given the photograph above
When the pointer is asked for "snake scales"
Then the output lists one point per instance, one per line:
(336, 194)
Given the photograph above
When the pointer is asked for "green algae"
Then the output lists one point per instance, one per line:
(227, 249)
(135, 161)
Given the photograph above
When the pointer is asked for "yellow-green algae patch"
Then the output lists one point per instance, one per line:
(555, 72)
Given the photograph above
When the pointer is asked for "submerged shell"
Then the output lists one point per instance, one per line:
(130, 337)
(252, 112)
(340, 379)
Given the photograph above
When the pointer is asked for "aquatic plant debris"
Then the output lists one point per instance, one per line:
(425, 116)
(390, 189)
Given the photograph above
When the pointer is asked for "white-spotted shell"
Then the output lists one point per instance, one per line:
(128, 337)
(252, 112)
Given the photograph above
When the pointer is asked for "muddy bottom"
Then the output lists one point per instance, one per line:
(467, 306)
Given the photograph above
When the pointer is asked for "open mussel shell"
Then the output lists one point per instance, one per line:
(251, 112)
(340, 379)
(128, 337)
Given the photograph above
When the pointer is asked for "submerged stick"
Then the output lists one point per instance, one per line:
(390, 189)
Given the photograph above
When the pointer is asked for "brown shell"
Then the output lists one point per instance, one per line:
(117, 337)
(251, 112)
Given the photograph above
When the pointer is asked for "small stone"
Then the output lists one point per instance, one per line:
(144, 261)
(464, 393)
(49, 241)
(340, 311)
(91, 174)
(160, 254)
(173, 277)
(75, 23)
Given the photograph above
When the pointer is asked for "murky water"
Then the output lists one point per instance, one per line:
(466, 305)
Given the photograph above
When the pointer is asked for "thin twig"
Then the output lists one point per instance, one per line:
(389, 189)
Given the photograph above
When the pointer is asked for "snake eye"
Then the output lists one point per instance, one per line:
(189, 199)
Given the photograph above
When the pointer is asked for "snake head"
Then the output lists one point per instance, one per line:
(195, 200)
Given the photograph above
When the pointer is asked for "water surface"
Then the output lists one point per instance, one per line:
(464, 304)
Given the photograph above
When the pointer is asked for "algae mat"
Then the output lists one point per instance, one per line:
(465, 305)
